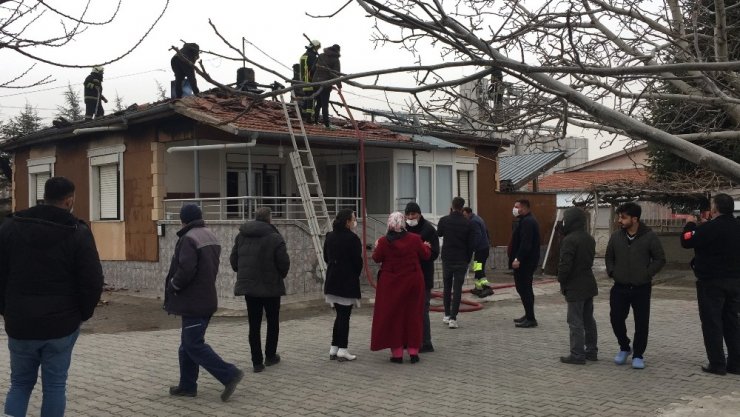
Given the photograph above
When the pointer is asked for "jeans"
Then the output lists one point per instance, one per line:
(523, 277)
(54, 357)
(719, 304)
(427, 338)
(621, 298)
(340, 333)
(453, 276)
(582, 328)
(322, 105)
(255, 307)
(195, 352)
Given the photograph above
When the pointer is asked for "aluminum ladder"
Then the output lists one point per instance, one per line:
(307, 178)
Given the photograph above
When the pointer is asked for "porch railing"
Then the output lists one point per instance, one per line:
(243, 208)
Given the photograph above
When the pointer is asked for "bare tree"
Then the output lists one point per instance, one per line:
(20, 21)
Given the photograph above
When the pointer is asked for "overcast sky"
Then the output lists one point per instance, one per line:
(275, 27)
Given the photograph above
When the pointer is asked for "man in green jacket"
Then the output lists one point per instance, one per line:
(633, 256)
(578, 285)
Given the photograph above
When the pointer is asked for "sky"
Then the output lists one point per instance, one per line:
(275, 27)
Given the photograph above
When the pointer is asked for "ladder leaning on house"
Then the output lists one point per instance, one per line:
(307, 179)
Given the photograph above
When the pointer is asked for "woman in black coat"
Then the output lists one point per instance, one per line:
(343, 256)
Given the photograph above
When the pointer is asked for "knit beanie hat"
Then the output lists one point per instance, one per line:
(412, 207)
(190, 213)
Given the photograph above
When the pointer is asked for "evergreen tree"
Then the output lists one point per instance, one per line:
(118, 103)
(161, 92)
(28, 121)
(71, 109)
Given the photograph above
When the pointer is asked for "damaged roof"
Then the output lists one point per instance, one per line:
(237, 115)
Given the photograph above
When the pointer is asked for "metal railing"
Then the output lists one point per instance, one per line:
(243, 208)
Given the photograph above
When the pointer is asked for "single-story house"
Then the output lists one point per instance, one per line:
(135, 169)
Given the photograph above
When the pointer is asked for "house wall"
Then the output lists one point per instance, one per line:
(140, 232)
(72, 163)
(302, 278)
(20, 180)
(500, 222)
(637, 159)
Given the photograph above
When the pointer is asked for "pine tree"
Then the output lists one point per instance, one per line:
(118, 103)
(27, 122)
(161, 92)
(71, 109)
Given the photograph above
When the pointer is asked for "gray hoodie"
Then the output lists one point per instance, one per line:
(634, 263)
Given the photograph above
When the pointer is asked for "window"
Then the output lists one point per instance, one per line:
(404, 185)
(425, 189)
(39, 170)
(444, 188)
(464, 186)
(106, 188)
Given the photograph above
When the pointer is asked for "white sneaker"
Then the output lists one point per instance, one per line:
(333, 352)
(344, 355)
(453, 324)
(446, 319)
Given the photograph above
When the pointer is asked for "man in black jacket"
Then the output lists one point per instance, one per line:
(190, 292)
(327, 67)
(307, 69)
(578, 285)
(50, 282)
(524, 258)
(481, 251)
(416, 223)
(457, 249)
(716, 265)
(261, 262)
(634, 255)
(182, 65)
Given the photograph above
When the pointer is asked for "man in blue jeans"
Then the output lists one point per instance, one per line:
(457, 248)
(190, 292)
(50, 282)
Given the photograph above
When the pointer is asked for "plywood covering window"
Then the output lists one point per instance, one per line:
(39, 171)
(106, 188)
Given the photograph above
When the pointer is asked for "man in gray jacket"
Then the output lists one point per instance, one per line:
(578, 285)
(261, 262)
(633, 256)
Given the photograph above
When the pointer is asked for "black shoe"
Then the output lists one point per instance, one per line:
(179, 392)
(520, 319)
(396, 360)
(476, 291)
(526, 324)
(485, 292)
(593, 357)
(414, 358)
(426, 349)
(572, 361)
(258, 368)
(712, 370)
(734, 371)
(231, 386)
(273, 360)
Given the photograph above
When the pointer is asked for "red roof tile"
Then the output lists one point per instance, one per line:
(582, 180)
(268, 116)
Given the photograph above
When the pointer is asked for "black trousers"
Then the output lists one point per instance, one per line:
(621, 298)
(322, 105)
(719, 304)
(523, 278)
(340, 334)
(453, 277)
(271, 308)
(481, 255)
(93, 108)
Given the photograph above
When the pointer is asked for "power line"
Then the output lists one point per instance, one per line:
(65, 86)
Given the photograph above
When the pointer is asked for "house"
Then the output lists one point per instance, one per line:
(135, 169)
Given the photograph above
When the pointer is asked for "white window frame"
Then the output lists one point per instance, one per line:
(99, 157)
(36, 167)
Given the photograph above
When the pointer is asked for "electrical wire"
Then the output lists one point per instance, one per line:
(65, 86)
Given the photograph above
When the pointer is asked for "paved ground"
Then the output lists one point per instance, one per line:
(486, 367)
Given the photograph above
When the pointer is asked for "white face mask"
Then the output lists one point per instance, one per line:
(515, 212)
(354, 224)
(412, 223)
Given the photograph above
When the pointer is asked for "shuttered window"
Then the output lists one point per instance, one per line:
(108, 192)
(40, 180)
(463, 186)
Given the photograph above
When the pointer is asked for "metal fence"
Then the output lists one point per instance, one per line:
(243, 208)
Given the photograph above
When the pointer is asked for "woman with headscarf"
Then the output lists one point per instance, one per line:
(399, 297)
(343, 256)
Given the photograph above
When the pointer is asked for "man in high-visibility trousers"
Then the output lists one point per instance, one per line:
(480, 254)
(308, 66)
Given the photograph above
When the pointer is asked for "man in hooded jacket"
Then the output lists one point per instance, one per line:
(261, 262)
(327, 67)
(578, 285)
(182, 65)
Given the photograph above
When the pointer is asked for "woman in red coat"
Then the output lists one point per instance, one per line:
(399, 298)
